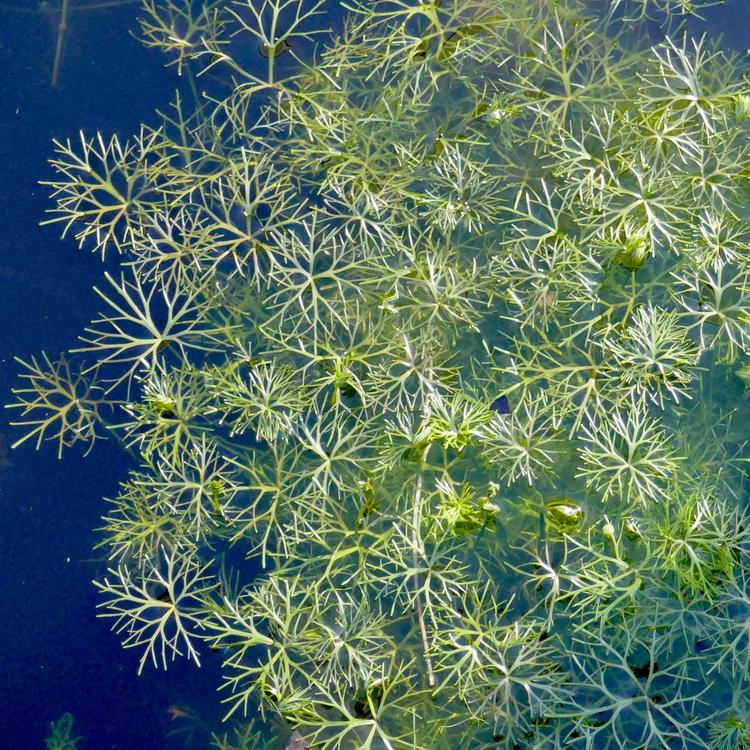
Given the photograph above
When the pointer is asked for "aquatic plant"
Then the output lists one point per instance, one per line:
(60, 734)
(442, 320)
(56, 404)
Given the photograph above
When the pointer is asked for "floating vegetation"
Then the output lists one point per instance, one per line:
(60, 734)
(443, 319)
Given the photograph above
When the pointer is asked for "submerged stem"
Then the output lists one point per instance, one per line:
(417, 544)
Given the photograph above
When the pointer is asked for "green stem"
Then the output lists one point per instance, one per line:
(417, 545)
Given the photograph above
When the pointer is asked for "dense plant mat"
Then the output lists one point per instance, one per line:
(429, 335)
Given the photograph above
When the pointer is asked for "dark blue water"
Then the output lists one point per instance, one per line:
(55, 655)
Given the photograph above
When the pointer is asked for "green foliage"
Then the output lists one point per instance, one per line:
(638, 10)
(178, 30)
(60, 734)
(627, 456)
(157, 606)
(730, 732)
(56, 403)
(442, 321)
